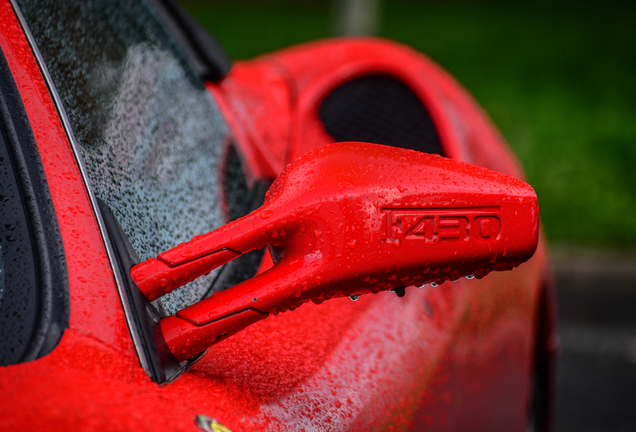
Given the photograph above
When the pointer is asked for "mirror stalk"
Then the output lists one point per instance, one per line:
(344, 220)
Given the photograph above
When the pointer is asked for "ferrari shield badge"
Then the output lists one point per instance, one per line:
(208, 424)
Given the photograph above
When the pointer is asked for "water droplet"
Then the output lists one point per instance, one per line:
(433, 284)
(266, 214)
(352, 243)
(354, 297)
(318, 233)
(420, 285)
(254, 299)
(469, 277)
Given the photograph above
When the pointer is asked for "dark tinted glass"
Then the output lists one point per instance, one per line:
(148, 132)
(34, 300)
(18, 278)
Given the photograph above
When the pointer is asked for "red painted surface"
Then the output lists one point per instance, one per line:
(335, 366)
(256, 100)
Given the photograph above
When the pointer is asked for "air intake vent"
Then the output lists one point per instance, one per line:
(382, 110)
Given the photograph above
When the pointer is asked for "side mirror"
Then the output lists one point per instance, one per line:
(344, 220)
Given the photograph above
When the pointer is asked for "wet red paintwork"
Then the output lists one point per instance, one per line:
(466, 345)
(254, 93)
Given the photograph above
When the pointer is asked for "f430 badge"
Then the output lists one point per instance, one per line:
(432, 225)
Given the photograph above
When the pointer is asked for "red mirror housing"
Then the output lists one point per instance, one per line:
(348, 219)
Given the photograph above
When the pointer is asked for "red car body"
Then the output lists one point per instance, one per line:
(466, 355)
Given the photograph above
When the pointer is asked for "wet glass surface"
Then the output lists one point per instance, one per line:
(149, 134)
(1, 275)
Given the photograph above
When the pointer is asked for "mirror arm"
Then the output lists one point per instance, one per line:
(344, 220)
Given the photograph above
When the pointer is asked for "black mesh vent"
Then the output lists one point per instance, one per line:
(382, 110)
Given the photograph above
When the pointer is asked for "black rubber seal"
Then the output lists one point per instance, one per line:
(48, 300)
(145, 315)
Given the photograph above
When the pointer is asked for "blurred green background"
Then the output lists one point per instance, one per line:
(558, 79)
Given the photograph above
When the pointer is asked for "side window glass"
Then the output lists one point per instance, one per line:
(149, 133)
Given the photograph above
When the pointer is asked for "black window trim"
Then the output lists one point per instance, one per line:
(50, 299)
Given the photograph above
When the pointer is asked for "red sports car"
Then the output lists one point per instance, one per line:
(329, 237)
